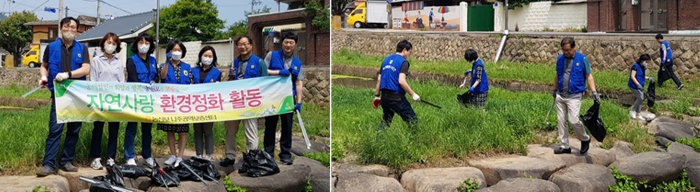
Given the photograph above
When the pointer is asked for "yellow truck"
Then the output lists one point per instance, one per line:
(370, 13)
(31, 58)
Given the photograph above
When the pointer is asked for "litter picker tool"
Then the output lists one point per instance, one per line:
(423, 101)
(303, 130)
(120, 189)
(169, 177)
(195, 174)
(34, 90)
(550, 112)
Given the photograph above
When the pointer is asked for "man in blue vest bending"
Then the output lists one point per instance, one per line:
(392, 83)
(666, 68)
(64, 59)
(573, 71)
(283, 62)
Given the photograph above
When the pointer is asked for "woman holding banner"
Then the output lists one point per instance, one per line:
(205, 72)
(106, 68)
(175, 71)
(141, 68)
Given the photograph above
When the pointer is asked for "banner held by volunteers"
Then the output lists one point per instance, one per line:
(87, 101)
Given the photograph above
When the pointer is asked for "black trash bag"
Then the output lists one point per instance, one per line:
(114, 176)
(594, 123)
(166, 178)
(651, 94)
(663, 74)
(465, 98)
(199, 166)
(257, 163)
(101, 187)
(133, 171)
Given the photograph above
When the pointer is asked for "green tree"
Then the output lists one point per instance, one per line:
(14, 35)
(339, 6)
(189, 20)
(321, 17)
(240, 28)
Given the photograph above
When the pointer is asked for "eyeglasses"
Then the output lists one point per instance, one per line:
(243, 44)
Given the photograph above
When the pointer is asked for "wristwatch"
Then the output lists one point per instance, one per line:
(70, 74)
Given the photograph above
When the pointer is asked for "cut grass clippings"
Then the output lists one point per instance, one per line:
(508, 125)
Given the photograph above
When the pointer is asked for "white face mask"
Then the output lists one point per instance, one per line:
(645, 64)
(143, 49)
(207, 60)
(176, 55)
(68, 35)
(110, 48)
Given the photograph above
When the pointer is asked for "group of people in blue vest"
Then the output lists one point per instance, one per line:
(68, 59)
(573, 72)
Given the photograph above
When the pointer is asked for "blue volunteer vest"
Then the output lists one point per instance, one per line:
(390, 73)
(184, 74)
(55, 59)
(669, 55)
(577, 80)
(143, 74)
(211, 77)
(484, 85)
(250, 71)
(640, 77)
(277, 63)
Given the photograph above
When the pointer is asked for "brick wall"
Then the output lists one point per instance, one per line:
(604, 15)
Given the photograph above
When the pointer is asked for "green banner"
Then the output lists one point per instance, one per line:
(87, 101)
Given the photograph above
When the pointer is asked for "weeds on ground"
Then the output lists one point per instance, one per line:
(625, 183)
(324, 158)
(337, 151)
(681, 185)
(468, 185)
(39, 189)
(308, 188)
(695, 143)
(230, 187)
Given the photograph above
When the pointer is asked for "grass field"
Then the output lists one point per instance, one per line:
(508, 125)
(23, 135)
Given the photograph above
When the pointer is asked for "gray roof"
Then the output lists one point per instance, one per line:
(119, 25)
(84, 20)
(2, 16)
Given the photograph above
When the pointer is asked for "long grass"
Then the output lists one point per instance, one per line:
(533, 72)
(508, 125)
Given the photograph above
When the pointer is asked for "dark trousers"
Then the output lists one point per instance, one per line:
(54, 139)
(130, 135)
(670, 74)
(401, 107)
(285, 140)
(96, 144)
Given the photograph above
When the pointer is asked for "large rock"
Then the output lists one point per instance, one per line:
(73, 177)
(440, 179)
(291, 178)
(299, 147)
(654, 167)
(28, 183)
(621, 149)
(140, 183)
(378, 170)
(515, 167)
(522, 185)
(584, 177)
(360, 182)
(674, 131)
(694, 175)
(192, 186)
(594, 155)
(692, 156)
(318, 170)
(662, 141)
(321, 185)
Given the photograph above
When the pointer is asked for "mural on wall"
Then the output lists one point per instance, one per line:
(416, 16)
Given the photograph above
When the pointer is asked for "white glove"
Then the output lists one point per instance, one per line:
(415, 97)
(152, 82)
(461, 86)
(61, 76)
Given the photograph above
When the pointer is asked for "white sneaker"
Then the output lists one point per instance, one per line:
(207, 158)
(177, 162)
(131, 162)
(150, 162)
(199, 156)
(640, 118)
(171, 160)
(110, 162)
(633, 114)
(96, 165)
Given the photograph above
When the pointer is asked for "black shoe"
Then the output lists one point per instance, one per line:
(584, 146)
(562, 150)
(227, 162)
(681, 87)
(286, 161)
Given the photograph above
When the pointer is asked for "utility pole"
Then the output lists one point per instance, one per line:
(60, 12)
(9, 7)
(66, 11)
(98, 12)
(506, 27)
(157, 31)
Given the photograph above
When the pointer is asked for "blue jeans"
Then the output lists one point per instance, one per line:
(54, 139)
(146, 137)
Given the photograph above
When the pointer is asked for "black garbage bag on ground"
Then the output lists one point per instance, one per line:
(594, 123)
(166, 178)
(651, 94)
(465, 98)
(114, 176)
(101, 187)
(201, 167)
(133, 171)
(258, 163)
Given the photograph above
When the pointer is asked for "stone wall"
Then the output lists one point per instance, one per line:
(317, 85)
(604, 51)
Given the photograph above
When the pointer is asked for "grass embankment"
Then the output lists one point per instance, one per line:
(23, 135)
(509, 124)
(609, 80)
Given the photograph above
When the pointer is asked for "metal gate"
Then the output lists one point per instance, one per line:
(300, 51)
(480, 18)
(653, 13)
(623, 15)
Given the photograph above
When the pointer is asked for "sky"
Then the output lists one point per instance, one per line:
(229, 10)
